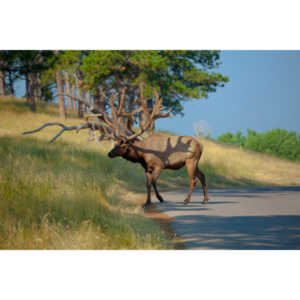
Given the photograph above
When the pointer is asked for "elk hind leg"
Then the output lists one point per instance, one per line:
(191, 168)
(202, 179)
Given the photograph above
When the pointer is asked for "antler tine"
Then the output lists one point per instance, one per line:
(144, 107)
(107, 120)
(64, 128)
(158, 107)
(115, 124)
(135, 101)
(115, 116)
(94, 126)
(150, 117)
(111, 131)
(122, 101)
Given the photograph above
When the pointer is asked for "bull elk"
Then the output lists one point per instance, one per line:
(154, 153)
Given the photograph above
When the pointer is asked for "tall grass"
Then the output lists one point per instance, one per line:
(70, 195)
(227, 165)
(60, 197)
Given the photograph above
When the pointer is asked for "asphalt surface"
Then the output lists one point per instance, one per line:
(237, 219)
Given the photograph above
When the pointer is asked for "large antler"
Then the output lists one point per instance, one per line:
(106, 132)
(119, 132)
(150, 116)
(109, 126)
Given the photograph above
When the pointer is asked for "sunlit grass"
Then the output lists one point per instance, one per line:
(66, 195)
(70, 195)
(225, 165)
(59, 197)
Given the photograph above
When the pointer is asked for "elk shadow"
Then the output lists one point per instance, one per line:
(164, 154)
(192, 206)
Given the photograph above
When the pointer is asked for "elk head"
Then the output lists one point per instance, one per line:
(120, 148)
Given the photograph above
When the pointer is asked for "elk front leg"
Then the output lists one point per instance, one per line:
(155, 176)
(148, 186)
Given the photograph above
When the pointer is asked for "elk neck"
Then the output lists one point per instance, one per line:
(133, 154)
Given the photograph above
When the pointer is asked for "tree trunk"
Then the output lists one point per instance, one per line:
(80, 112)
(74, 95)
(11, 91)
(30, 99)
(68, 89)
(27, 87)
(99, 100)
(60, 90)
(150, 109)
(85, 107)
(89, 97)
(79, 104)
(37, 87)
(2, 83)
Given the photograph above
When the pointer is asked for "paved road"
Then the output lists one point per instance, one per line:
(243, 218)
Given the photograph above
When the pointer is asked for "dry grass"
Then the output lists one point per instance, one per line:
(66, 195)
(16, 118)
(70, 195)
(224, 165)
(244, 167)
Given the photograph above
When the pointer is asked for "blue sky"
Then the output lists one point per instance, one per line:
(263, 93)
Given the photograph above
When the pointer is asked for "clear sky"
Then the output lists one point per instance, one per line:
(263, 93)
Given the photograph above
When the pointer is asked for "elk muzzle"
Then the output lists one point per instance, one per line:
(114, 152)
(111, 154)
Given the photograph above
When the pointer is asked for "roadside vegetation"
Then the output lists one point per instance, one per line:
(278, 142)
(70, 195)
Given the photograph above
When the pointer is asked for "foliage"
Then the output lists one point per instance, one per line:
(177, 75)
(230, 138)
(279, 142)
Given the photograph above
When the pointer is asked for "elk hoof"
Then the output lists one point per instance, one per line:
(205, 201)
(161, 200)
(147, 205)
(186, 202)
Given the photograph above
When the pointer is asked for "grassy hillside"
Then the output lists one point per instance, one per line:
(66, 195)
(229, 165)
(70, 195)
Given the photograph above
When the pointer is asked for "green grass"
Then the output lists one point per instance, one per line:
(70, 195)
(60, 197)
(20, 106)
